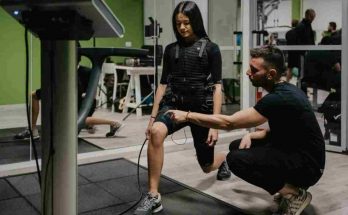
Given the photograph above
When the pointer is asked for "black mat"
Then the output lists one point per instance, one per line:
(12, 150)
(109, 187)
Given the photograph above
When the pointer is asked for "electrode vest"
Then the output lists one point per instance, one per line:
(190, 76)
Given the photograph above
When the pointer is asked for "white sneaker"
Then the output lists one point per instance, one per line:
(150, 204)
(25, 135)
(295, 204)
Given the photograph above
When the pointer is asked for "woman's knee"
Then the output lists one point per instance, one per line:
(158, 133)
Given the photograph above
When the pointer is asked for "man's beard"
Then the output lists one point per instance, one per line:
(255, 83)
(259, 83)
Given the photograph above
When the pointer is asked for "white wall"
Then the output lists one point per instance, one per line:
(326, 11)
(162, 11)
(280, 16)
(223, 21)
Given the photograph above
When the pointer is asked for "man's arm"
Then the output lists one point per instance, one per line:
(259, 134)
(246, 118)
(246, 141)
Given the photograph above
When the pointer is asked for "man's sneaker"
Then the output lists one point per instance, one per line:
(224, 172)
(149, 205)
(25, 135)
(277, 198)
(114, 129)
(295, 204)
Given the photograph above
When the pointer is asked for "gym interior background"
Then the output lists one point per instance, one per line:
(230, 24)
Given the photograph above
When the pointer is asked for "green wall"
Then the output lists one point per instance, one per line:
(12, 60)
(12, 48)
(296, 6)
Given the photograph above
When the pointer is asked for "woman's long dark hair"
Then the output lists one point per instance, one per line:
(191, 10)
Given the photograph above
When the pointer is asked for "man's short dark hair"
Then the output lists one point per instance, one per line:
(309, 13)
(272, 56)
(333, 25)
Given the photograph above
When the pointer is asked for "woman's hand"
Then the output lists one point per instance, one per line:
(148, 129)
(245, 143)
(212, 137)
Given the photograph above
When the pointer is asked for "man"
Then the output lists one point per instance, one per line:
(304, 31)
(331, 31)
(331, 36)
(275, 159)
(294, 60)
(305, 36)
(332, 28)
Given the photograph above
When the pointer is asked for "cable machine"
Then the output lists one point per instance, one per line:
(59, 24)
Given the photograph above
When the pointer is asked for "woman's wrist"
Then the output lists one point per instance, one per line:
(152, 119)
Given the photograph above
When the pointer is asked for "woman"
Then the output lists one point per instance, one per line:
(191, 81)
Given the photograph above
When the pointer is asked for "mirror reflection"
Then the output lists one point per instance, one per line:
(316, 69)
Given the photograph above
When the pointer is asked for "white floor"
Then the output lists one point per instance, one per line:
(330, 195)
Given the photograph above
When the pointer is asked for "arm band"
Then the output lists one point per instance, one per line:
(186, 118)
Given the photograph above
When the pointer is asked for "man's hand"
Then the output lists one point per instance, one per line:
(178, 116)
(337, 67)
(245, 143)
(212, 137)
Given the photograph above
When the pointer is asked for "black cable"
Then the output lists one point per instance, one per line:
(139, 186)
(27, 101)
(52, 119)
(171, 136)
(51, 143)
(106, 95)
(134, 109)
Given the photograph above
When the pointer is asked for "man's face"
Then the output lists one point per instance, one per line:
(311, 17)
(330, 28)
(257, 73)
(183, 25)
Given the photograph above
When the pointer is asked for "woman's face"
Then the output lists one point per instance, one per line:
(184, 27)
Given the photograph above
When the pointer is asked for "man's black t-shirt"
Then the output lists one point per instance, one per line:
(293, 125)
(304, 33)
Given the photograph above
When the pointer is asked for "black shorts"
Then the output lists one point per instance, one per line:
(205, 153)
(271, 168)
